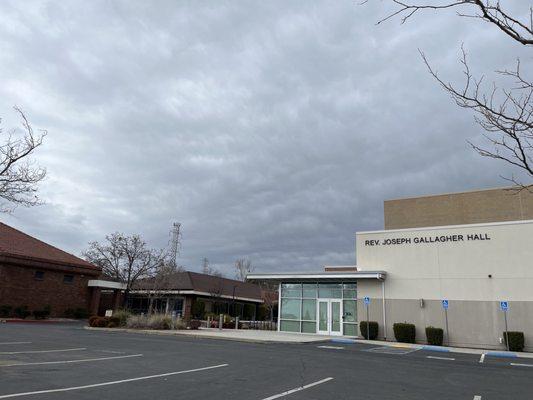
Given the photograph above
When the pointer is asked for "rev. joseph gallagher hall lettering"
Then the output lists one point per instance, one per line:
(428, 239)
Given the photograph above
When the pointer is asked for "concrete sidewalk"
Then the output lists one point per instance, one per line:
(242, 335)
(441, 349)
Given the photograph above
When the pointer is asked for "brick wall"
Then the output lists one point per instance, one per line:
(18, 287)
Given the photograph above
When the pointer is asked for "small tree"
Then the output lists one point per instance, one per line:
(18, 175)
(243, 267)
(125, 259)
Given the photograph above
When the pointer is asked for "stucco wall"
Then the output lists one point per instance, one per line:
(454, 270)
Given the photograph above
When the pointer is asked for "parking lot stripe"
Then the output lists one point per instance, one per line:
(522, 365)
(441, 358)
(41, 351)
(71, 361)
(477, 397)
(482, 358)
(298, 389)
(15, 342)
(331, 347)
(68, 389)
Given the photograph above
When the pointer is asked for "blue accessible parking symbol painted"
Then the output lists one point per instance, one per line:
(504, 305)
(367, 300)
(445, 304)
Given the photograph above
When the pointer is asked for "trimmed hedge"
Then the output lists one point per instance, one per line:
(404, 332)
(372, 329)
(5, 311)
(21, 312)
(516, 340)
(194, 324)
(434, 336)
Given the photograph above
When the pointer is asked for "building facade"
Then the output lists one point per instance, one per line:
(405, 274)
(34, 275)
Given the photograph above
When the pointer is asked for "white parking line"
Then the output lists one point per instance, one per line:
(522, 365)
(70, 361)
(277, 396)
(482, 358)
(40, 351)
(477, 397)
(15, 342)
(331, 347)
(441, 358)
(68, 389)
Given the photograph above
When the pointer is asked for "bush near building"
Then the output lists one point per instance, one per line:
(5, 311)
(370, 332)
(434, 336)
(21, 312)
(404, 332)
(42, 314)
(198, 309)
(515, 339)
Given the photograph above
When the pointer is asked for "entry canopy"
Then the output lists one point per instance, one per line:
(318, 276)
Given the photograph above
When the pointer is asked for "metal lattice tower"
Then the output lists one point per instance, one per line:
(175, 242)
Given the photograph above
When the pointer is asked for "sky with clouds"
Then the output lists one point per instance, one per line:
(270, 130)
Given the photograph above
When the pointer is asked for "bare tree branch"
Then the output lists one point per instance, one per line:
(18, 175)
(487, 10)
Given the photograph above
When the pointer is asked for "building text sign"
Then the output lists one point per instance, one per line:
(427, 239)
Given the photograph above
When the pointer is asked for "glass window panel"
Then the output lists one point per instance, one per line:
(349, 294)
(350, 310)
(291, 290)
(323, 315)
(309, 310)
(350, 329)
(336, 316)
(349, 286)
(290, 309)
(308, 327)
(289, 326)
(309, 290)
(330, 290)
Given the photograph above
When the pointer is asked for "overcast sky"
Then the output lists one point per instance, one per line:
(271, 130)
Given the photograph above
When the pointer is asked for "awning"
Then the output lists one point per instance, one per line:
(106, 284)
(318, 276)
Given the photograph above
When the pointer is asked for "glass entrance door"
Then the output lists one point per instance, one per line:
(329, 317)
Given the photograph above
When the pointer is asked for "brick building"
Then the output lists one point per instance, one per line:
(36, 274)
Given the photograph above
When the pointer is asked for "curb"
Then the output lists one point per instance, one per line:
(350, 341)
(436, 348)
(37, 321)
(198, 336)
(501, 354)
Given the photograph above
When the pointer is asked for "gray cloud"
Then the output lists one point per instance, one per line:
(271, 130)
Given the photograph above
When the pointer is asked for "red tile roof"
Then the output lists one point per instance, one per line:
(17, 244)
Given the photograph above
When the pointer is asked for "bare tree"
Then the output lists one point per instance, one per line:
(506, 114)
(125, 258)
(19, 176)
(162, 279)
(243, 267)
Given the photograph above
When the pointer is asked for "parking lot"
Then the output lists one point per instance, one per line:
(51, 361)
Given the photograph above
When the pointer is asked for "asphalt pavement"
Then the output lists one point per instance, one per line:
(65, 361)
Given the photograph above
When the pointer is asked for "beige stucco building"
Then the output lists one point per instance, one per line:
(474, 250)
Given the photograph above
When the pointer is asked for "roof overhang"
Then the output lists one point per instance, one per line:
(193, 292)
(318, 276)
(106, 284)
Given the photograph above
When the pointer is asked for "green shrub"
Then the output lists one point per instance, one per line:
(404, 332)
(180, 324)
(21, 312)
(5, 311)
(42, 314)
(81, 313)
(434, 336)
(373, 329)
(69, 313)
(198, 309)
(515, 339)
(92, 319)
(122, 316)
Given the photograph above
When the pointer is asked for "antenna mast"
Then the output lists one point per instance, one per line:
(174, 243)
